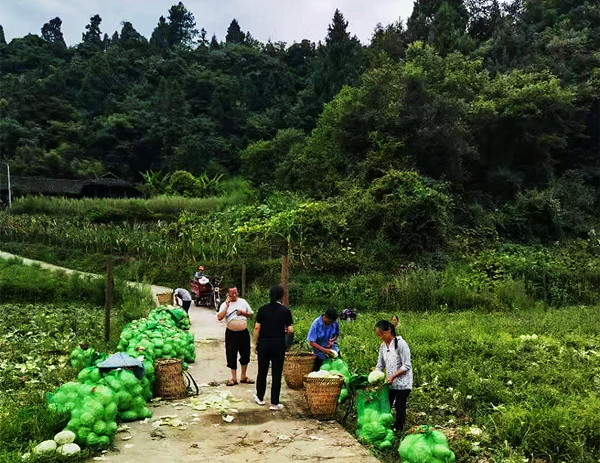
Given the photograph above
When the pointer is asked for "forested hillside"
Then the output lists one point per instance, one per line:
(497, 99)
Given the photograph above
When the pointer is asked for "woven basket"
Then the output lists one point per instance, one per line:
(296, 367)
(322, 395)
(169, 379)
(165, 298)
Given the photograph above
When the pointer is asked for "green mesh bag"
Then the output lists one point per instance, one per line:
(92, 409)
(426, 445)
(374, 417)
(335, 366)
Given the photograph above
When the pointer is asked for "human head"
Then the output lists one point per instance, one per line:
(385, 330)
(200, 268)
(232, 292)
(276, 293)
(395, 320)
(330, 316)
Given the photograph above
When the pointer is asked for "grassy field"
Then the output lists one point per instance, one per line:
(504, 386)
(43, 316)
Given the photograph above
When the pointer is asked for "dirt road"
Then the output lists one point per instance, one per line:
(255, 435)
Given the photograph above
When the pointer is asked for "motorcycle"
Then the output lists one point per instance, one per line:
(205, 292)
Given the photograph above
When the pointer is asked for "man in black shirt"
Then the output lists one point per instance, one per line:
(273, 325)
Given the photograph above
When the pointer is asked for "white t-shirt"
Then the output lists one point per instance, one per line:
(234, 307)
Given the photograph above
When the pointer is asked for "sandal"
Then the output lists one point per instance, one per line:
(247, 380)
(231, 382)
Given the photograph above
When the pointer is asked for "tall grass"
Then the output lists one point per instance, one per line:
(28, 284)
(111, 209)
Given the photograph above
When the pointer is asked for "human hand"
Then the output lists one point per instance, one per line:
(391, 380)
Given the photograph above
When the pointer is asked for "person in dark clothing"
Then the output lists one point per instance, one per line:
(273, 333)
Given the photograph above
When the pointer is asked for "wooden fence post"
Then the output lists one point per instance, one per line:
(285, 280)
(243, 280)
(108, 300)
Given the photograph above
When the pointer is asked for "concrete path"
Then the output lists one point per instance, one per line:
(255, 434)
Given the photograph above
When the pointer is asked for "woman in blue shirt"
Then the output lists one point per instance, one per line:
(322, 336)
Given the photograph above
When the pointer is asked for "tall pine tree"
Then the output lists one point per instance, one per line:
(235, 33)
(339, 62)
(52, 34)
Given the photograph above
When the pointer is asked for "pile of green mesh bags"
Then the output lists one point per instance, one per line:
(178, 316)
(83, 356)
(375, 418)
(339, 367)
(132, 393)
(93, 410)
(157, 339)
(426, 445)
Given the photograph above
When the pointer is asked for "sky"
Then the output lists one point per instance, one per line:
(278, 20)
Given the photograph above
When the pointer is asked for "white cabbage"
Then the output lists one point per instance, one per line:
(376, 377)
(69, 449)
(64, 437)
(45, 447)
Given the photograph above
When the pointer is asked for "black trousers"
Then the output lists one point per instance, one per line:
(398, 399)
(185, 305)
(317, 364)
(237, 342)
(270, 352)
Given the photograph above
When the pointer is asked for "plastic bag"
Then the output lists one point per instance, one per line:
(426, 445)
(335, 366)
(375, 417)
(92, 409)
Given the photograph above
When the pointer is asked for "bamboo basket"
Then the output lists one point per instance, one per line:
(165, 298)
(322, 395)
(169, 379)
(296, 367)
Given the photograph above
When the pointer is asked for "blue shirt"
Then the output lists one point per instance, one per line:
(321, 333)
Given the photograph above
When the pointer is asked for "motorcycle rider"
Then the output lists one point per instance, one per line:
(200, 273)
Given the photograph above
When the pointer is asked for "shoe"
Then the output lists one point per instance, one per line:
(276, 408)
(258, 401)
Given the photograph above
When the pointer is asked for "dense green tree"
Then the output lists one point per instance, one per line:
(52, 33)
(93, 36)
(235, 33)
(2, 39)
(182, 26)
(129, 36)
(391, 40)
(441, 22)
(262, 161)
(161, 35)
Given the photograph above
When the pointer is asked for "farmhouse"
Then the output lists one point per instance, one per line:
(97, 188)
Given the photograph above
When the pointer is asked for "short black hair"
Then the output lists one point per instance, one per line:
(331, 314)
(276, 293)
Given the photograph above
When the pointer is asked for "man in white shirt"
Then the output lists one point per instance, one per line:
(236, 312)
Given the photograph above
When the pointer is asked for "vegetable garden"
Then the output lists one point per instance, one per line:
(504, 337)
